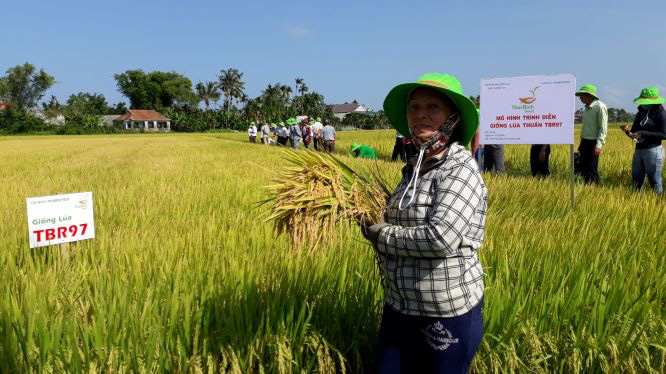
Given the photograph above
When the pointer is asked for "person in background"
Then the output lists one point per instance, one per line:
(295, 133)
(493, 158)
(328, 136)
(307, 133)
(362, 151)
(427, 248)
(283, 134)
(252, 132)
(648, 131)
(592, 134)
(316, 134)
(409, 147)
(274, 130)
(265, 133)
(398, 148)
(539, 158)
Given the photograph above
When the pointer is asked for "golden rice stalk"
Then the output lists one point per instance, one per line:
(316, 191)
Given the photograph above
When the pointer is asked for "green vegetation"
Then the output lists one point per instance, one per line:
(185, 276)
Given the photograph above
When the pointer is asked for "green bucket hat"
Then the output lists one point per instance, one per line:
(588, 89)
(649, 96)
(318, 119)
(395, 104)
(355, 146)
(291, 121)
(273, 125)
(281, 123)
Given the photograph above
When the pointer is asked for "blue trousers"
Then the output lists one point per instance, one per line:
(409, 344)
(648, 162)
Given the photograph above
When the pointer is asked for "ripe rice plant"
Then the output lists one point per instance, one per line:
(185, 275)
(316, 191)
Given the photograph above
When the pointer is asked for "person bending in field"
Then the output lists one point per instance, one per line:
(362, 151)
(648, 131)
(434, 226)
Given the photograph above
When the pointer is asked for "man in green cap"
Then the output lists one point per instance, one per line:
(295, 133)
(648, 131)
(362, 151)
(593, 132)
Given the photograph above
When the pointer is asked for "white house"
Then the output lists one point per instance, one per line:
(341, 110)
(148, 120)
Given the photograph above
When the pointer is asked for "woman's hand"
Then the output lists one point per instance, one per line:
(371, 232)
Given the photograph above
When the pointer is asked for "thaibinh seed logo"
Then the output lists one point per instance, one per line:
(526, 102)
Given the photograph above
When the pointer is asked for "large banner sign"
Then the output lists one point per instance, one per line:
(60, 219)
(528, 110)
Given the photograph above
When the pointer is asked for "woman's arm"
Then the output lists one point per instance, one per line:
(457, 198)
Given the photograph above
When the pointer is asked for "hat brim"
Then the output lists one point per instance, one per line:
(395, 107)
(653, 101)
(578, 93)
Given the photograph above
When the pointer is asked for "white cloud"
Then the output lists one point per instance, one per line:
(297, 31)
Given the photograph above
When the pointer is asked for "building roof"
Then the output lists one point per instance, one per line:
(345, 108)
(142, 115)
(4, 106)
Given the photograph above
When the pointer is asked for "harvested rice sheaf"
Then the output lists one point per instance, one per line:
(316, 191)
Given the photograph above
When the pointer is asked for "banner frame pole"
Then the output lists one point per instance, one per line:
(571, 178)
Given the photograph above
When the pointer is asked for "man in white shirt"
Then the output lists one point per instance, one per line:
(252, 132)
(317, 126)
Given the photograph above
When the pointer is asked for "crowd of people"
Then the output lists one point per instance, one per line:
(647, 131)
(291, 132)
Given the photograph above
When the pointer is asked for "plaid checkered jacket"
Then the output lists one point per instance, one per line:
(427, 253)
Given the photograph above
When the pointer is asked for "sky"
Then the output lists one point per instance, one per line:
(345, 50)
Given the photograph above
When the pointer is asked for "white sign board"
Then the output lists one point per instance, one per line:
(60, 219)
(528, 110)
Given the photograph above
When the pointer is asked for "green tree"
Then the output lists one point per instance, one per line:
(232, 85)
(207, 92)
(156, 90)
(119, 108)
(87, 103)
(24, 86)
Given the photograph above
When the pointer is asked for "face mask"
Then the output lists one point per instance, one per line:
(435, 143)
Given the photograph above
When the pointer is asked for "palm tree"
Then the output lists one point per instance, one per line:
(208, 91)
(300, 86)
(232, 86)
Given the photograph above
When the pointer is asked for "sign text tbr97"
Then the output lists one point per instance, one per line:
(61, 232)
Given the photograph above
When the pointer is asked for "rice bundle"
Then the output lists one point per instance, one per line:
(316, 191)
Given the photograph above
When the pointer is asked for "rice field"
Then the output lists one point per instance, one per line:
(185, 276)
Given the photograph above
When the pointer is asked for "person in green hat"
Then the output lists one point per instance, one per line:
(362, 151)
(648, 131)
(434, 226)
(593, 132)
(295, 133)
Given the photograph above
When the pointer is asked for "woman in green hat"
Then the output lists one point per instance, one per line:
(648, 130)
(434, 225)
